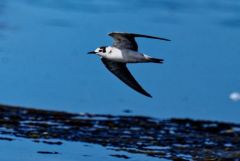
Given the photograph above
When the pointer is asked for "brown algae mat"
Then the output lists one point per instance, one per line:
(174, 139)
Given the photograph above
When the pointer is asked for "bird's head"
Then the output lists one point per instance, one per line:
(100, 50)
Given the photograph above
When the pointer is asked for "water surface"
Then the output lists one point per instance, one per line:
(43, 60)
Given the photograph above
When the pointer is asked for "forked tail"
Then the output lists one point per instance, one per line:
(155, 60)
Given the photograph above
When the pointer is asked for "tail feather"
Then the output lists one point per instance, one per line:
(156, 60)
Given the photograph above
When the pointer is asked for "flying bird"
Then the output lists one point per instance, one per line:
(125, 50)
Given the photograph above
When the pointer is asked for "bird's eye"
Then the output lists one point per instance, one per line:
(100, 50)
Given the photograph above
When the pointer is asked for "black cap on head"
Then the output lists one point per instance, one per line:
(103, 48)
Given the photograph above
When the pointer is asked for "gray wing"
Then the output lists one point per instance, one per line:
(127, 40)
(120, 70)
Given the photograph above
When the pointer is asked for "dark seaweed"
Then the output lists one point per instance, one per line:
(175, 139)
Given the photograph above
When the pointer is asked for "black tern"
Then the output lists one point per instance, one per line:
(125, 50)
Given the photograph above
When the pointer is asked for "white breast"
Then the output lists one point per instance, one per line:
(124, 55)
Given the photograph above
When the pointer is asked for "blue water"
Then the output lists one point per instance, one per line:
(43, 60)
(22, 149)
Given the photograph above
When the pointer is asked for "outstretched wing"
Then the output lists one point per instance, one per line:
(127, 40)
(120, 70)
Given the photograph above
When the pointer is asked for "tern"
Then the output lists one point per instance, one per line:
(125, 50)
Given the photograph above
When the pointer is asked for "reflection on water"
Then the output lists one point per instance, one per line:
(235, 96)
(175, 139)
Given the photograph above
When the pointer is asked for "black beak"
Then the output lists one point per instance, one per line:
(92, 52)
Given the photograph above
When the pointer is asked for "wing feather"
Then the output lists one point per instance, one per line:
(127, 40)
(120, 70)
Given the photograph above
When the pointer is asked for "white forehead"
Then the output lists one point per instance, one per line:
(97, 49)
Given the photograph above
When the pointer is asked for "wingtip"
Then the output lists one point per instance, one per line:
(147, 94)
(168, 40)
(165, 39)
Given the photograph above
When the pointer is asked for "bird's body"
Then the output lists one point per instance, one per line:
(123, 51)
(124, 55)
